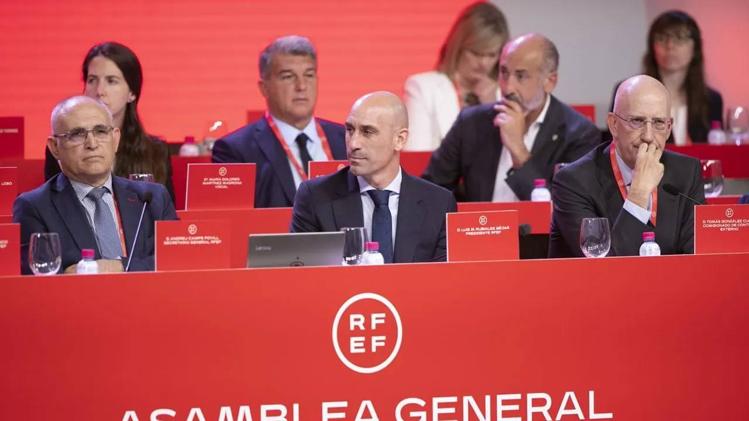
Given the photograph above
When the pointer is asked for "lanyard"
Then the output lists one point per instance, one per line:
(292, 158)
(623, 187)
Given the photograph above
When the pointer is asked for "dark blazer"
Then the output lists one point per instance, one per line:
(256, 143)
(472, 148)
(54, 207)
(587, 188)
(332, 202)
(697, 130)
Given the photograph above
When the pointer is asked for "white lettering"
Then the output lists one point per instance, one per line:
(501, 407)
(569, 397)
(377, 342)
(437, 408)
(366, 406)
(356, 321)
(468, 401)
(531, 409)
(266, 410)
(130, 416)
(419, 415)
(592, 408)
(162, 411)
(377, 319)
(357, 345)
(244, 414)
(195, 412)
(327, 406)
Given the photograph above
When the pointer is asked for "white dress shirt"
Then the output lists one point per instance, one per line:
(314, 145)
(81, 190)
(368, 205)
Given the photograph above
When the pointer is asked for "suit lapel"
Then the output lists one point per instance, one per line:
(609, 188)
(72, 214)
(667, 220)
(493, 154)
(347, 207)
(275, 154)
(551, 132)
(129, 206)
(411, 215)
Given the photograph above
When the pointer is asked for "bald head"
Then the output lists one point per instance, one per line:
(537, 45)
(68, 105)
(641, 88)
(387, 103)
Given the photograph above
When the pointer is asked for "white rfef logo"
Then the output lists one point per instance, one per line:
(192, 229)
(222, 171)
(367, 333)
(483, 220)
(729, 213)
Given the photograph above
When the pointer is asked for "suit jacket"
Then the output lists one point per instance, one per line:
(256, 143)
(54, 207)
(332, 202)
(472, 149)
(587, 188)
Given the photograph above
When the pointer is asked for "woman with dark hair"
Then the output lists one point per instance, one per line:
(466, 74)
(113, 75)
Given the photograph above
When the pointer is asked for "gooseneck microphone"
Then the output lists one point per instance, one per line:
(671, 189)
(147, 196)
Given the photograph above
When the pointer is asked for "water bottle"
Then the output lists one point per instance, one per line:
(87, 265)
(540, 193)
(372, 255)
(649, 247)
(716, 136)
(189, 148)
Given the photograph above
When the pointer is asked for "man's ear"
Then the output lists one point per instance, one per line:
(611, 122)
(53, 147)
(263, 89)
(551, 82)
(401, 137)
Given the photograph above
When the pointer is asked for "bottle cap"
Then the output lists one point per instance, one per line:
(87, 254)
(539, 182)
(372, 246)
(189, 139)
(715, 124)
(648, 236)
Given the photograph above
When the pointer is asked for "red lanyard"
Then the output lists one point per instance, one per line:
(623, 187)
(292, 158)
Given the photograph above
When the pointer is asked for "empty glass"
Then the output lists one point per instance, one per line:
(142, 177)
(44, 253)
(712, 175)
(353, 245)
(595, 237)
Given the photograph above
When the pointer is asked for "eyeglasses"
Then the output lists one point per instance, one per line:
(675, 37)
(637, 123)
(79, 135)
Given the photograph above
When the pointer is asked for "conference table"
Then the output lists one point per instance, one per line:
(627, 338)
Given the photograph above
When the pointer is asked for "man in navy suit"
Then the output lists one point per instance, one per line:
(86, 204)
(288, 136)
(498, 150)
(405, 214)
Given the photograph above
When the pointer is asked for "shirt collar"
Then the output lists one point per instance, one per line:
(542, 116)
(290, 132)
(82, 189)
(623, 168)
(394, 186)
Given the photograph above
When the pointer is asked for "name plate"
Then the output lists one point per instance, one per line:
(220, 186)
(320, 168)
(10, 249)
(721, 229)
(8, 189)
(11, 137)
(535, 214)
(197, 244)
(475, 236)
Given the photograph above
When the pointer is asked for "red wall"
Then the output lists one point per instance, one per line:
(200, 57)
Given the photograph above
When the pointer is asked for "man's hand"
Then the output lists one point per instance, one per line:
(511, 122)
(647, 173)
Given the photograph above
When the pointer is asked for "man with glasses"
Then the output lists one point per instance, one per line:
(624, 180)
(86, 204)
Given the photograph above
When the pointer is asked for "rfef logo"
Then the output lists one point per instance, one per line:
(367, 333)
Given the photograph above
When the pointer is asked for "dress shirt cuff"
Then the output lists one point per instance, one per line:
(642, 214)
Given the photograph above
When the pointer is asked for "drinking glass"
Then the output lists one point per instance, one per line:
(44, 253)
(595, 237)
(353, 245)
(738, 125)
(712, 174)
(142, 177)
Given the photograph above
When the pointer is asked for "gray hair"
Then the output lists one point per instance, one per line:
(295, 45)
(551, 56)
(68, 104)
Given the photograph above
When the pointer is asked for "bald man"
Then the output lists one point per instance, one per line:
(405, 214)
(86, 205)
(624, 180)
(499, 149)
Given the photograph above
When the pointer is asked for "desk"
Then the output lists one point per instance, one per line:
(660, 338)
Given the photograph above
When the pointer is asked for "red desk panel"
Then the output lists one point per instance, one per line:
(179, 176)
(734, 159)
(660, 338)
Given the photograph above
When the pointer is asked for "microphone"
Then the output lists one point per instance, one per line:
(671, 189)
(147, 196)
(524, 230)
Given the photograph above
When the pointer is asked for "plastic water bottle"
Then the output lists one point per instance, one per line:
(87, 265)
(189, 148)
(372, 255)
(716, 136)
(649, 247)
(540, 193)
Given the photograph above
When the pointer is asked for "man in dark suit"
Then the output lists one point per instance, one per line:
(86, 204)
(288, 137)
(624, 181)
(374, 192)
(499, 149)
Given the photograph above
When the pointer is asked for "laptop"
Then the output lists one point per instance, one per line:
(295, 249)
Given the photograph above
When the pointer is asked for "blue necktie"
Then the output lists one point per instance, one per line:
(104, 226)
(301, 141)
(382, 223)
